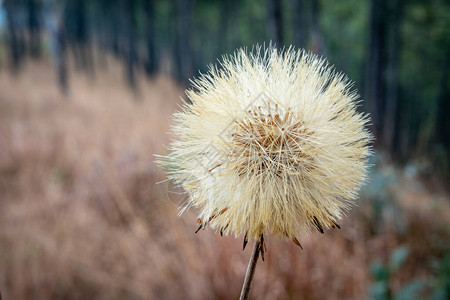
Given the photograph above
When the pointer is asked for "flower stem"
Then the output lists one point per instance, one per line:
(250, 271)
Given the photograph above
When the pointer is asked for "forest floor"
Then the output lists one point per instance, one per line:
(81, 215)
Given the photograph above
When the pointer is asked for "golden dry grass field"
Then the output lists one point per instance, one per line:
(81, 215)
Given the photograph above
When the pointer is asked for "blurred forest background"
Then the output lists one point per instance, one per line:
(87, 89)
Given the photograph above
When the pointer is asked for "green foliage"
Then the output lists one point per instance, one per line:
(398, 258)
(346, 43)
(425, 35)
(441, 284)
(383, 273)
(438, 287)
(410, 291)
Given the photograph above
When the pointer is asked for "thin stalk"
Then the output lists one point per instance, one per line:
(250, 271)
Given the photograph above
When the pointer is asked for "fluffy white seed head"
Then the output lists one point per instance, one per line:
(271, 142)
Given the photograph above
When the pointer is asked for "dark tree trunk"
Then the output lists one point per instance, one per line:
(223, 43)
(58, 46)
(34, 27)
(77, 27)
(151, 65)
(185, 63)
(405, 136)
(274, 22)
(317, 40)
(131, 59)
(392, 82)
(300, 24)
(375, 65)
(443, 121)
(61, 63)
(13, 34)
(115, 37)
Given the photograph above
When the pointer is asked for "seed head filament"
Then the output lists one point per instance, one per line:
(270, 140)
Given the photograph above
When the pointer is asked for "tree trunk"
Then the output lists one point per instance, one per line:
(58, 45)
(77, 33)
(151, 64)
(392, 82)
(300, 24)
(34, 27)
(374, 78)
(184, 59)
(443, 121)
(274, 22)
(223, 41)
(13, 35)
(130, 11)
(115, 36)
(317, 39)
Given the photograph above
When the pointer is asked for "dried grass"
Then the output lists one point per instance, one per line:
(82, 218)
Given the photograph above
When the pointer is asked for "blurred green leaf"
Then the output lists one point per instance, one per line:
(441, 284)
(410, 291)
(379, 290)
(398, 258)
(379, 271)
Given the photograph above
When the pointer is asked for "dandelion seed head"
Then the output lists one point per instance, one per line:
(271, 142)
